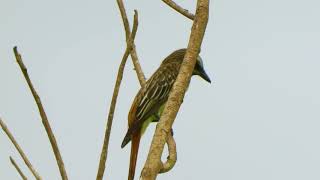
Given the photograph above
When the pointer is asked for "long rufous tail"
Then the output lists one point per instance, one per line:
(135, 141)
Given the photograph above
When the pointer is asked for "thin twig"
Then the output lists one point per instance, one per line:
(104, 152)
(179, 9)
(19, 149)
(172, 158)
(153, 164)
(43, 115)
(133, 52)
(17, 168)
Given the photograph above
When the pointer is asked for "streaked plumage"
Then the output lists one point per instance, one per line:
(149, 101)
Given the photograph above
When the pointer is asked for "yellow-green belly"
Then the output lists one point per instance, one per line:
(154, 117)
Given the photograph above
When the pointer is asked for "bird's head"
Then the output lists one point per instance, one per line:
(177, 57)
(199, 70)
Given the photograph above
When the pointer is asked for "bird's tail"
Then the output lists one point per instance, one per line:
(135, 141)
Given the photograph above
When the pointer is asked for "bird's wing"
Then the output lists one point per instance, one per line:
(146, 103)
(155, 94)
(149, 99)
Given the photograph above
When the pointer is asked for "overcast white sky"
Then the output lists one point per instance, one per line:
(259, 119)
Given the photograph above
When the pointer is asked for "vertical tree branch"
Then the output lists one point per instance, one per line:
(19, 149)
(133, 52)
(179, 9)
(17, 168)
(43, 115)
(153, 164)
(104, 152)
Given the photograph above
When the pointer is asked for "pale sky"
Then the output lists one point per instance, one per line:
(259, 119)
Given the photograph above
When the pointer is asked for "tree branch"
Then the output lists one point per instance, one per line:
(17, 168)
(179, 9)
(172, 158)
(153, 164)
(133, 52)
(19, 149)
(104, 152)
(43, 115)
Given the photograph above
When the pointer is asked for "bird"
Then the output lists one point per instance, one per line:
(149, 102)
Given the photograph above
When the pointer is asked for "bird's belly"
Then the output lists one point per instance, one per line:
(153, 118)
(146, 124)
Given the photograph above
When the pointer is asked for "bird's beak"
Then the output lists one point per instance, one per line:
(204, 75)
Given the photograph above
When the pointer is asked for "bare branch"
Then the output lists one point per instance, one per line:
(179, 9)
(153, 164)
(104, 152)
(124, 18)
(17, 168)
(133, 52)
(19, 149)
(172, 158)
(43, 115)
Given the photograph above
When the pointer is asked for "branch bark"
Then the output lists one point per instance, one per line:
(17, 168)
(104, 152)
(43, 115)
(179, 9)
(19, 149)
(153, 164)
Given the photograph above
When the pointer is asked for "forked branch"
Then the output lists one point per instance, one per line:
(43, 115)
(133, 52)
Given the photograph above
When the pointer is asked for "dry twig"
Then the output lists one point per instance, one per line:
(104, 152)
(43, 115)
(19, 149)
(179, 9)
(133, 52)
(17, 168)
(153, 164)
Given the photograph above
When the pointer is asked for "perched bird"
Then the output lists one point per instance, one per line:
(149, 102)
